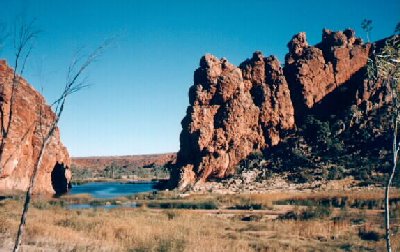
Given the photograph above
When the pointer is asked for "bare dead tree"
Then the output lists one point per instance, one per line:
(24, 35)
(74, 83)
(385, 67)
(366, 25)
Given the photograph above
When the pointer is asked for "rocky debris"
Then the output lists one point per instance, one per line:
(236, 111)
(249, 182)
(24, 139)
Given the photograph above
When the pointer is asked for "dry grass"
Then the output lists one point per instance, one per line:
(51, 227)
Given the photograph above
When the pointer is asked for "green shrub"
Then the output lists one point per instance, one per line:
(315, 213)
(311, 212)
(369, 235)
(251, 218)
(171, 214)
(183, 205)
(40, 204)
(335, 173)
(253, 206)
(300, 177)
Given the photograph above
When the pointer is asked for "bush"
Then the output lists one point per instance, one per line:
(251, 218)
(171, 214)
(183, 205)
(41, 204)
(291, 215)
(369, 235)
(317, 132)
(300, 177)
(317, 212)
(248, 207)
(335, 173)
(256, 155)
(311, 212)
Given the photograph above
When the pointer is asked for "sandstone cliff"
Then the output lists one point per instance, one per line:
(24, 140)
(235, 111)
(313, 72)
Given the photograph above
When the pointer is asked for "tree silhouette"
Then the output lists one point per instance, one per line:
(366, 25)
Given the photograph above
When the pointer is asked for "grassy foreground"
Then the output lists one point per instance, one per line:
(336, 221)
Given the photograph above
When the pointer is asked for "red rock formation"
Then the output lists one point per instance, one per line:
(271, 94)
(24, 139)
(375, 94)
(315, 71)
(232, 113)
(235, 111)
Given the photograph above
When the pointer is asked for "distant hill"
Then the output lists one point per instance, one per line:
(101, 162)
(150, 166)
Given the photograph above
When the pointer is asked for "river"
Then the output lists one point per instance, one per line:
(108, 190)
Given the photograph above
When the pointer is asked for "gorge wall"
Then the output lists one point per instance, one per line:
(235, 111)
(30, 118)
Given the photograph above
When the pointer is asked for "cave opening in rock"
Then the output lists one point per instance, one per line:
(58, 179)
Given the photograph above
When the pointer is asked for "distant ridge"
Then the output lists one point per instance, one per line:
(101, 162)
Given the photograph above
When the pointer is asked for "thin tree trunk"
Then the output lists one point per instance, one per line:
(71, 87)
(21, 228)
(387, 196)
(393, 171)
(6, 129)
(24, 34)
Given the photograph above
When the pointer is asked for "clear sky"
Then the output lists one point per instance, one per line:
(138, 92)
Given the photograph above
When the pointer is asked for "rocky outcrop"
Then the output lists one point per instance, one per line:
(235, 111)
(31, 117)
(271, 94)
(373, 95)
(313, 72)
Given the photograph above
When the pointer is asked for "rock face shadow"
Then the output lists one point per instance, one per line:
(59, 180)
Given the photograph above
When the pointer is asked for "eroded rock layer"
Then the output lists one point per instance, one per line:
(31, 117)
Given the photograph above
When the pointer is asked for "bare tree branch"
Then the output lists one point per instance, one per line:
(366, 25)
(385, 67)
(23, 36)
(73, 85)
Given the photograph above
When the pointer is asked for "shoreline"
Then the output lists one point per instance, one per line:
(121, 181)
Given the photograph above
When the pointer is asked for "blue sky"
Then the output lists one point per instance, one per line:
(138, 92)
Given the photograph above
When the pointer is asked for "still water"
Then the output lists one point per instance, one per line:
(108, 190)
